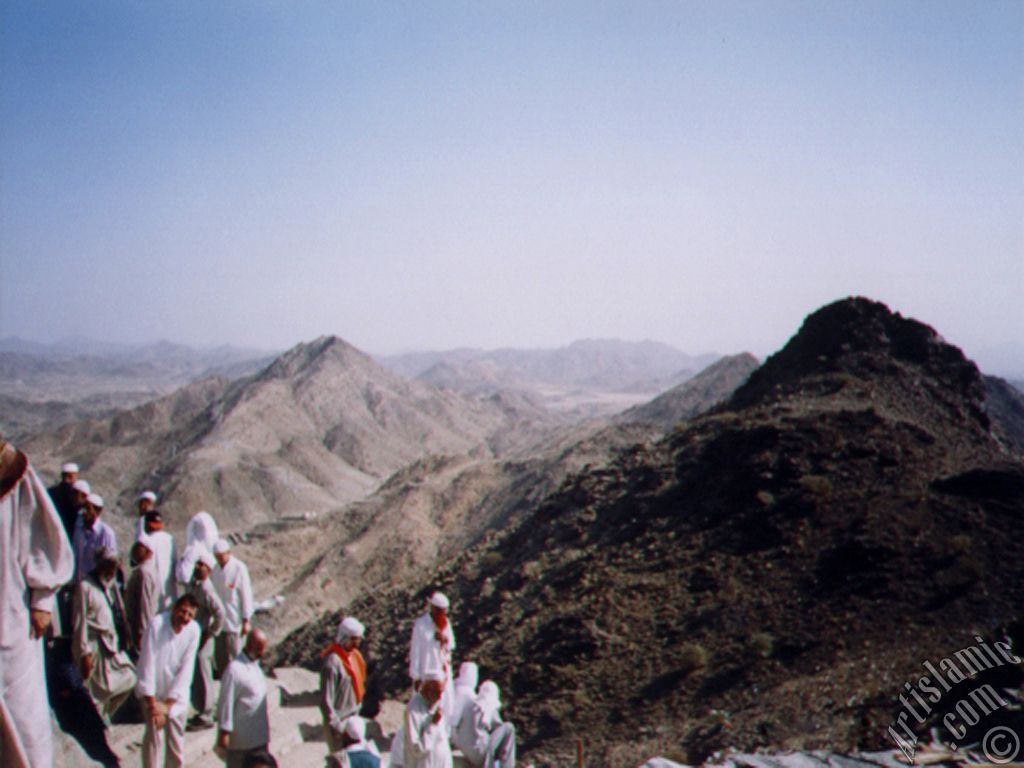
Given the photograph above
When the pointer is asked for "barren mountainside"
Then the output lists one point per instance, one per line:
(769, 574)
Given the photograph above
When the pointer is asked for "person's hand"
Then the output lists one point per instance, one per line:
(245, 627)
(40, 623)
(221, 751)
(87, 666)
(437, 716)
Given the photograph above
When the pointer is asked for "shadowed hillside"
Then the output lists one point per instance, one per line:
(769, 574)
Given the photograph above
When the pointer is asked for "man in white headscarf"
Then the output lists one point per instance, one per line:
(342, 681)
(465, 690)
(200, 535)
(107, 670)
(234, 588)
(430, 649)
(35, 560)
(482, 735)
(426, 731)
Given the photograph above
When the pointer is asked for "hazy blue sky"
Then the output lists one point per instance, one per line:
(435, 174)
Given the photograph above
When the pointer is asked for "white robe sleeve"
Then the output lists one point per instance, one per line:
(44, 552)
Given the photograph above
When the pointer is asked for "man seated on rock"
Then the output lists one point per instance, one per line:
(484, 739)
(426, 732)
(342, 681)
(107, 670)
(210, 617)
(357, 752)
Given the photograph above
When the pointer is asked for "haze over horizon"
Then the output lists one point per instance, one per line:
(425, 177)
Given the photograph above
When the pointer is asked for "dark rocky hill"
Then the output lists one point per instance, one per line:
(770, 574)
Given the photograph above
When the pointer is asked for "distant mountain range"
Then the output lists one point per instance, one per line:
(768, 573)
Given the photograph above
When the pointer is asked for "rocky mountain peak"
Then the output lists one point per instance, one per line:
(313, 354)
(857, 340)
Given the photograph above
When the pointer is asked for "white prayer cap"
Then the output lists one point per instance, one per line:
(469, 673)
(145, 540)
(82, 486)
(438, 600)
(355, 728)
(222, 546)
(95, 499)
(147, 496)
(69, 467)
(203, 556)
(350, 626)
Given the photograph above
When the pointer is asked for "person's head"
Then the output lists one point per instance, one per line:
(255, 644)
(350, 633)
(439, 608)
(201, 572)
(81, 491)
(222, 552)
(142, 549)
(183, 612)
(431, 688)
(146, 502)
(261, 759)
(355, 730)
(69, 473)
(93, 509)
(154, 522)
(469, 674)
(106, 564)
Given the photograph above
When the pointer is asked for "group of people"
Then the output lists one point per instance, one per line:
(442, 712)
(76, 628)
(78, 635)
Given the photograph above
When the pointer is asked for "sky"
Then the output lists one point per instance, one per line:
(429, 175)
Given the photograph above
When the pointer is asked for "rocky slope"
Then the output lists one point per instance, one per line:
(769, 574)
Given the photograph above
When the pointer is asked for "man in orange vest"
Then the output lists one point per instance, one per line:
(342, 682)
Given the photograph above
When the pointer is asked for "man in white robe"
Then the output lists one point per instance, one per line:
(210, 618)
(107, 670)
(165, 558)
(426, 731)
(35, 560)
(430, 649)
(231, 579)
(200, 536)
(482, 735)
(242, 720)
(142, 592)
(165, 669)
(342, 681)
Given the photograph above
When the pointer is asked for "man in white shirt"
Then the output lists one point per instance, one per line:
(165, 669)
(430, 649)
(91, 534)
(234, 587)
(242, 719)
(35, 560)
(426, 731)
(482, 735)
(165, 558)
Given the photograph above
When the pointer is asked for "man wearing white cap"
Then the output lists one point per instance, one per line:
(165, 558)
(91, 533)
(342, 681)
(143, 590)
(242, 719)
(426, 730)
(431, 646)
(234, 588)
(63, 496)
(357, 752)
(210, 617)
(35, 560)
(105, 667)
(482, 735)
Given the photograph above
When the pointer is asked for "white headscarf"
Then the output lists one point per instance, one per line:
(489, 701)
(202, 528)
(349, 627)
